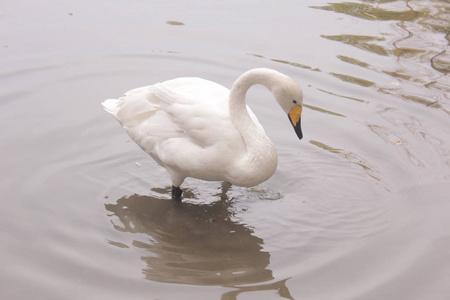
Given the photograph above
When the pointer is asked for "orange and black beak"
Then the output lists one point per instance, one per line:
(295, 116)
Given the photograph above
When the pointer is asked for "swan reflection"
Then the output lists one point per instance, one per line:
(198, 244)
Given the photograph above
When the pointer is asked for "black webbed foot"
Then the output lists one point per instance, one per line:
(176, 193)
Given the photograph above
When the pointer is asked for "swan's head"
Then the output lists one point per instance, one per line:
(289, 96)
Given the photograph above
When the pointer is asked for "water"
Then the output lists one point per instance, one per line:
(356, 210)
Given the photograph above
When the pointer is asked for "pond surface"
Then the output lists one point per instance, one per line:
(358, 209)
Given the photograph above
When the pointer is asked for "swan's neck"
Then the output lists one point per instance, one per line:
(260, 160)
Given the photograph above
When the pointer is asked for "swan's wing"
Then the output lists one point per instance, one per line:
(193, 110)
(200, 109)
(192, 90)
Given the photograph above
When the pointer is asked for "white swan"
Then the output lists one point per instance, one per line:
(197, 128)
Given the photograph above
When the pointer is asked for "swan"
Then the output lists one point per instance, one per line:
(197, 128)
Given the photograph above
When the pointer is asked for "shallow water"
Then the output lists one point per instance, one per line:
(358, 209)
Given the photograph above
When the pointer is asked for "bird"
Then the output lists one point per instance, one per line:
(197, 128)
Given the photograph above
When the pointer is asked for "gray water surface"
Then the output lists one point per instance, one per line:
(358, 209)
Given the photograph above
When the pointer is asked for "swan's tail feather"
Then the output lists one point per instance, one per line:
(134, 107)
(111, 106)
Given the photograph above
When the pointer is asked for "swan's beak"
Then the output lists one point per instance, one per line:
(295, 116)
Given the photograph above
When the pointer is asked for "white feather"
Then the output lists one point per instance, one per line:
(189, 126)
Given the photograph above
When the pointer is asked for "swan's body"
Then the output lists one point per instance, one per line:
(197, 128)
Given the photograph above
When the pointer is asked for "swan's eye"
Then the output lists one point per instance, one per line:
(295, 101)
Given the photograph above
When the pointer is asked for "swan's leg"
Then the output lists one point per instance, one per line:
(177, 180)
(176, 193)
